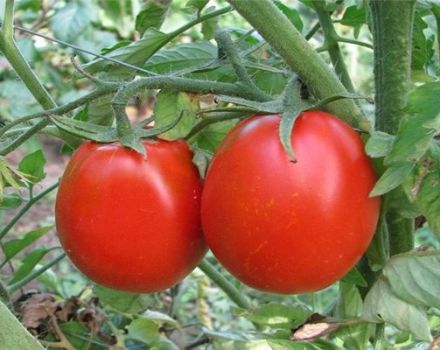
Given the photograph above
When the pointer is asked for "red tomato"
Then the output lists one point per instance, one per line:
(287, 227)
(131, 223)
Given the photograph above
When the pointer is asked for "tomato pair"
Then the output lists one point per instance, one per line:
(134, 224)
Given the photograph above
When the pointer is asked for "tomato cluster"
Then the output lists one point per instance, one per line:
(135, 223)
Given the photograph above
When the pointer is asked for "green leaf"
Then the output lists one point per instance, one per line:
(379, 144)
(285, 131)
(350, 301)
(71, 20)
(12, 333)
(393, 177)
(291, 14)
(209, 26)
(278, 316)
(28, 263)
(159, 318)
(408, 284)
(423, 187)
(355, 17)
(152, 15)
(147, 331)
(33, 166)
(170, 105)
(282, 344)
(354, 277)
(136, 53)
(14, 246)
(421, 52)
(118, 15)
(183, 58)
(124, 301)
(10, 201)
(418, 129)
(415, 278)
(209, 138)
(197, 4)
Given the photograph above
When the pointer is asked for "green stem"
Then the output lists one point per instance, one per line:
(227, 46)
(4, 294)
(354, 42)
(68, 107)
(215, 118)
(233, 293)
(29, 278)
(331, 44)
(25, 208)
(312, 31)
(185, 84)
(280, 33)
(17, 61)
(392, 32)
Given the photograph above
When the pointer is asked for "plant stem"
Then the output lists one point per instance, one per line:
(227, 46)
(233, 293)
(185, 84)
(331, 44)
(17, 61)
(392, 32)
(280, 33)
(29, 278)
(24, 210)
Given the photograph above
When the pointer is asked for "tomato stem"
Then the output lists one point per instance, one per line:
(280, 33)
(392, 31)
(230, 290)
(331, 44)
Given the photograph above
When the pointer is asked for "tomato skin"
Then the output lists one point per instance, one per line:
(287, 227)
(131, 223)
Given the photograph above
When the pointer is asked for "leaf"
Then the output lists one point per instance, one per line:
(152, 15)
(423, 187)
(170, 105)
(291, 14)
(124, 301)
(210, 137)
(13, 335)
(355, 17)
(182, 58)
(402, 291)
(118, 15)
(137, 53)
(33, 166)
(28, 263)
(71, 20)
(379, 144)
(285, 131)
(354, 277)
(209, 26)
(146, 331)
(278, 316)
(14, 246)
(11, 201)
(282, 344)
(197, 4)
(393, 177)
(159, 318)
(421, 53)
(418, 129)
(415, 278)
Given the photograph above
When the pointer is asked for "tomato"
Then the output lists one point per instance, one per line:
(131, 223)
(288, 227)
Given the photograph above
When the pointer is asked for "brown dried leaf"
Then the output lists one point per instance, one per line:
(314, 331)
(37, 309)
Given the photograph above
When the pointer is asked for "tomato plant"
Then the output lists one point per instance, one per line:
(128, 222)
(290, 227)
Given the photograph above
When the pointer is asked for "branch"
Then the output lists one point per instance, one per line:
(24, 210)
(225, 43)
(233, 293)
(280, 33)
(331, 44)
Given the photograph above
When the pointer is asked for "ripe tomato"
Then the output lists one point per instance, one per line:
(131, 223)
(287, 227)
